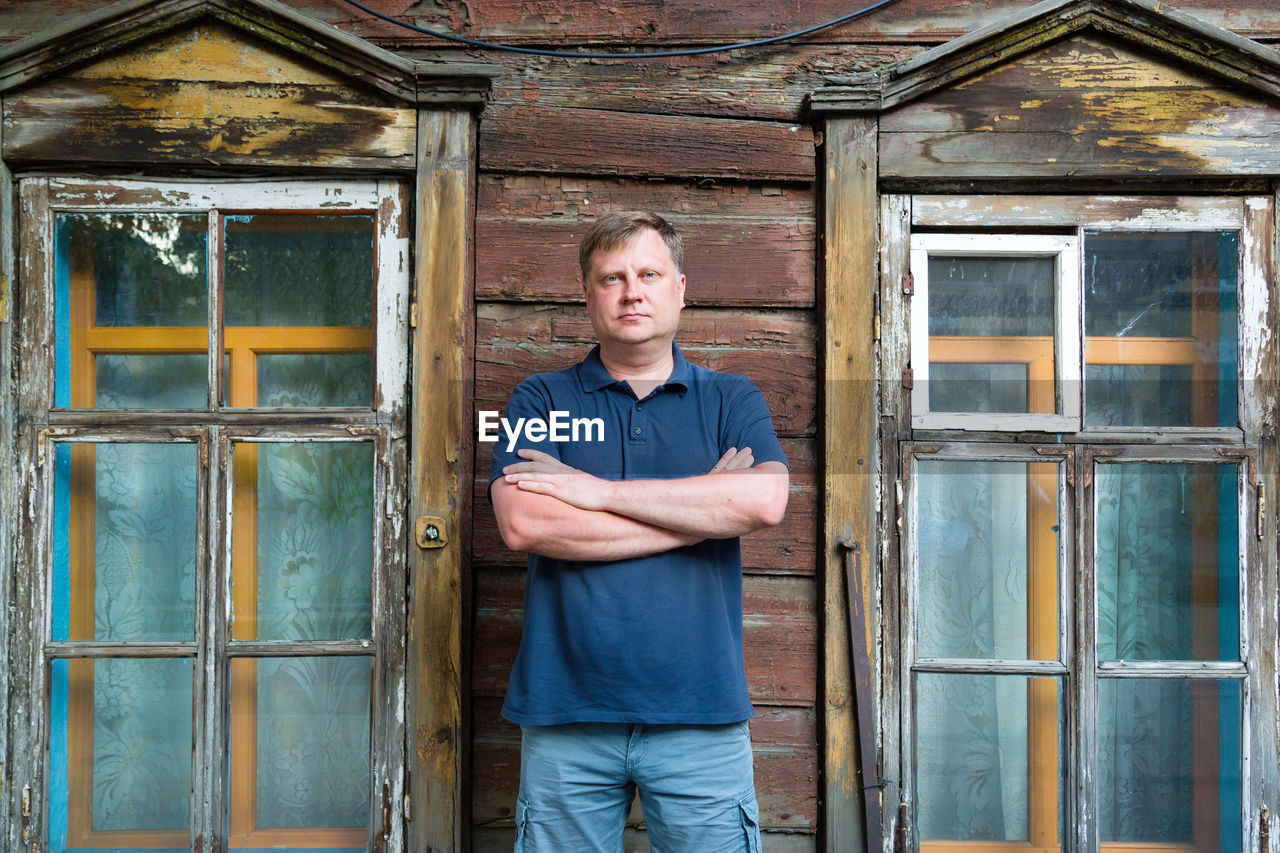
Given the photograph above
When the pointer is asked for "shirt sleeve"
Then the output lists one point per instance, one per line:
(529, 400)
(750, 425)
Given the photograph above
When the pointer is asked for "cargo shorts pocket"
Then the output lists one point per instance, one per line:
(750, 813)
(522, 824)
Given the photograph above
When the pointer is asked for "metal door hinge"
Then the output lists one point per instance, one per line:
(26, 814)
(413, 315)
(1262, 509)
(4, 298)
(408, 808)
(897, 494)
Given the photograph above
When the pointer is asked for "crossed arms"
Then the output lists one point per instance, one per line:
(547, 507)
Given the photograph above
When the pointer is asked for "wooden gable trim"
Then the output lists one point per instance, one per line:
(105, 31)
(1153, 25)
(227, 83)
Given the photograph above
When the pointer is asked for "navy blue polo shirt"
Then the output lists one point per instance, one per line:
(653, 639)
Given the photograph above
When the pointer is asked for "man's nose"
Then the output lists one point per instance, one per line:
(631, 290)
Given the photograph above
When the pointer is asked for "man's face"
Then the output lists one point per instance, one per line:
(634, 292)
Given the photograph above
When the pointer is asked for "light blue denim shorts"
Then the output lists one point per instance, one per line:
(695, 784)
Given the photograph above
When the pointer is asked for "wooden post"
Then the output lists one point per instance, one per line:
(9, 489)
(849, 430)
(440, 477)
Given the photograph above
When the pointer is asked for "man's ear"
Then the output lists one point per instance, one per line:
(680, 289)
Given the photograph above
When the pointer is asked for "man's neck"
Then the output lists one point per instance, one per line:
(643, 371)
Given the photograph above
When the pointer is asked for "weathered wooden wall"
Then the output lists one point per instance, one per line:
(722, 145)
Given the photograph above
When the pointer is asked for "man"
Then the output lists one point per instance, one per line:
(630, 674)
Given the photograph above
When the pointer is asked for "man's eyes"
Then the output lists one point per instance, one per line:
(614, 279)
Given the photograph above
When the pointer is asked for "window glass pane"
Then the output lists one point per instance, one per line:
(996, 311)
(131, 283)
(991, 297)
(288, 269)
(120, 754)
(300, 752)
(124, 542)
(988, 758)
(303, 541)
(1169, 762)
(1138, 394)
(1168, 561)
(977, 387)
(988, 559)
(326, 379)
(152, 381)
(1166, 301)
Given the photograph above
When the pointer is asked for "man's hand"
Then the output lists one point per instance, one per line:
(546, 475)
(733, 460)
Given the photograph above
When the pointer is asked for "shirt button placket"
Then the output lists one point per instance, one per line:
(638, 423)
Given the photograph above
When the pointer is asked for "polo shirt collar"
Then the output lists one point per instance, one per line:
(593, 376)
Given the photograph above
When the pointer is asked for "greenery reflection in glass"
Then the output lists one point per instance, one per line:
(1160, 323)
(131, 310)
(299, 270)
(991, 327)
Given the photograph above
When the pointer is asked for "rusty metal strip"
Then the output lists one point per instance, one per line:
(864, 708)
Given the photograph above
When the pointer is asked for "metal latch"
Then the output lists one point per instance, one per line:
(429, 532)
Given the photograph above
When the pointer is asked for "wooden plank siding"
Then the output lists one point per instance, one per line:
(641, 23)
(597, 142)
(754, 242)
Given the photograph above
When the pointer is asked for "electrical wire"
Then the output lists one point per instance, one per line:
(656, 54)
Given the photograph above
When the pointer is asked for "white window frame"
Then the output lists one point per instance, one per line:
(1068, 328)
(1249, 216)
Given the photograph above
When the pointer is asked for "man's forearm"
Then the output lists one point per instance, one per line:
(711, 506)
(553, 528)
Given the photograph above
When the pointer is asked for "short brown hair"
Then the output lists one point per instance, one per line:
(617, 229)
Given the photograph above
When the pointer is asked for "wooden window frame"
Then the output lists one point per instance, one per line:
(901, 221)
(1047, 625)
(213, 427)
